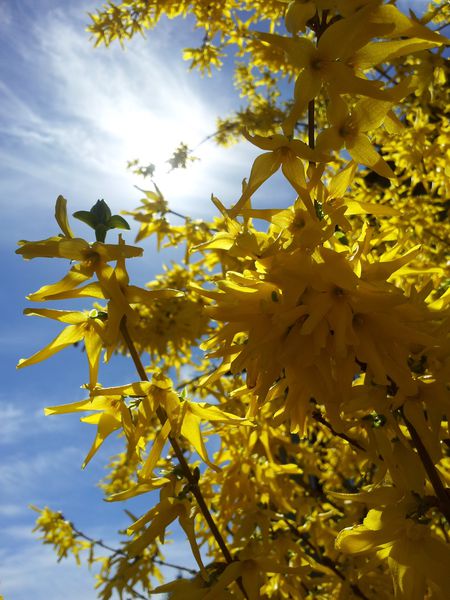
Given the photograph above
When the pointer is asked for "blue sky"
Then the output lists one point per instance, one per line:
(70, 118)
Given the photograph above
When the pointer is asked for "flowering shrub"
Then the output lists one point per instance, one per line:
(323, 325)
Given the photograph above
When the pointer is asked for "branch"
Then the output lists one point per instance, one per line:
(317, 415)
(187, 382)
(433, 475)
(311, 123)
(119, 551)
(188, 474)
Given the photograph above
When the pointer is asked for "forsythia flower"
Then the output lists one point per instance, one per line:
(415, 555)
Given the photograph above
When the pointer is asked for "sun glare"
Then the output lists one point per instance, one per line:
(152, 137)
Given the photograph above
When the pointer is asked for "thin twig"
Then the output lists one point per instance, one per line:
(311, 124)
(187, 382)
(441, 27)
(385, 74)
(433, 475)
(115, 551)
(317, 415)
(119, 551)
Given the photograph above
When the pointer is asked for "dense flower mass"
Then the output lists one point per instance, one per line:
(309, 321)
(303, 444)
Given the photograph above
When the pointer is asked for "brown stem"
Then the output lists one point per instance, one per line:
(433, 475)
(317, 415)
(188, 474)
(384, 73)
(311, 123)
(115, 552)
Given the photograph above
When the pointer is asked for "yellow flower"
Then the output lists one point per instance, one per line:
(82, 326)
(415, 555)
(298, 14)
(285, 153)
(349, 129)
(344, 48)
(306, 318)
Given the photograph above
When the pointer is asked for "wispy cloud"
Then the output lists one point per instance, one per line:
(29, 571)
(11, 510)
(25, 473)
(10, 422)
(105, 106)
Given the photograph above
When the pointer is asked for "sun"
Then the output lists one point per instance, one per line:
(152, 136)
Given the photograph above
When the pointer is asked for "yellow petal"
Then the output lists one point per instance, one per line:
(370, 113)
(190, 429)
(299, 50)
(329, 139)
(376, 53)
(56, 247)
(101, 403)
(111, 252)
(359, 539)
(251, 579)
(137, 389)
(61, 216)
(214, 413)
(67, 337)
(164, 515)
(65, 316)
(392, 123)
(138, 295)
(374, 496)
(230, 574)
(337, 111)
(264, 167)
(187, 524)
(298, 14)
(307, 86)
(63, 289)
(343, 81)
(342, 181)
(408, 582)
(403, 26)
(107, 423)
(140, 488)
(93, 345)
(271, 142)
(345, 36)
(355, 207)
(155, 452)
(362, 151)
(294, 172)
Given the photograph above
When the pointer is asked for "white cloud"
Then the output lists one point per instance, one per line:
(106, 106)
(10, 417)
(19, 425)
(30, 571)
(5, 14)
(11, 510)
(21, 473)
